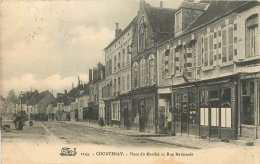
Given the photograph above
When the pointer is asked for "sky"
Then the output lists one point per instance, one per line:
(46, 45)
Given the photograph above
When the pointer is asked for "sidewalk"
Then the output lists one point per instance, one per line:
(182, 141)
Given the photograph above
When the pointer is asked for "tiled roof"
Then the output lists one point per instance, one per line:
(218, 9)
(193, 5)
(160, 19)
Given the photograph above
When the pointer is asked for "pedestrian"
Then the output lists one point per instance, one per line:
(169, 121)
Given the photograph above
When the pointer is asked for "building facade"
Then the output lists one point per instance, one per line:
(213, 75)
(118, 77)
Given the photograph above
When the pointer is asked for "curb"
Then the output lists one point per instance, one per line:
(126, 134)
(174, 144)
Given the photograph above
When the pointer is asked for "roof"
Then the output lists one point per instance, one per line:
(193, 5)
(122, 33)
(161, 19)
(218, 9)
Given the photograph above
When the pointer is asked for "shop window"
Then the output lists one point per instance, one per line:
(214, 107)
(177, 107)
(192, 108)
(204, 116)
(204, 120)
(248, 102)
(226, 107)
(251, 36)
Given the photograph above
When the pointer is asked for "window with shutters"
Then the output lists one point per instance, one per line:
(224, 45)
(152, 69)
(206, 53)
(177, 60)
(211, 50)
(251, 36)
(230, 43)
(166, 62)
(199, 51)
(172, 66)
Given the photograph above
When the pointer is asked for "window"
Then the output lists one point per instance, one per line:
(178, 21)
(248, 102)
(115, 111)
(151, 69)
(199, 51)
(166, 62)
(119, 60)
(205, 59)
(226, 107)
(204, 109)
(123, 84)
(142, 35)
(251, 36)
(115, 63)
(119, 84)
(142, 71)
(230, 43)
(114, 87)
(128, 82)
(135, 74)
(224, 46)
(123, 58)
(211, 48)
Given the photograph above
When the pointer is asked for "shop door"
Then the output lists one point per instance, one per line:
(185, 113)
(142, 116)
(214, 109)
(126, 117)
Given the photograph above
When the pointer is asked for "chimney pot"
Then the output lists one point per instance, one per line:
(161, 4)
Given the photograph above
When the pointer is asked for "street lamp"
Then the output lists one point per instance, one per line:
(21, 96)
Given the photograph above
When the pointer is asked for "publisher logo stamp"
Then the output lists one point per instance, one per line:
(65, 151)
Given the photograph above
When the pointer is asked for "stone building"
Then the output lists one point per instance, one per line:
(152, 24)
(209, 70)
(118, 77)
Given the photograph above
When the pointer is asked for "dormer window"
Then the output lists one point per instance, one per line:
(142, 34)
(178, 21)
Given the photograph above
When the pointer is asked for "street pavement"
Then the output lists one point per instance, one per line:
(60, 132)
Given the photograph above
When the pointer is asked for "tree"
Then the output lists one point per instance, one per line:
(11, 97)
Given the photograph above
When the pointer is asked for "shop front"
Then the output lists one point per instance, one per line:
(249, 103)
(144, 112)
(126, 111)
(207, 109)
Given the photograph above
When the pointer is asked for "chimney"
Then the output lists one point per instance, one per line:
(161, 4)
(90, 75)
(65, 91)
(117, 30)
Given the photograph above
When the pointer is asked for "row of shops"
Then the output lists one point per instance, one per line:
(225, 108)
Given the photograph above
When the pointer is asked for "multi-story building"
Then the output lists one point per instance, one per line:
(152, 24)
(95, 77)
(209, 70)
(118, 77)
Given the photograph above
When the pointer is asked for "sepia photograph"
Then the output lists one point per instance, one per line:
(129, 81)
